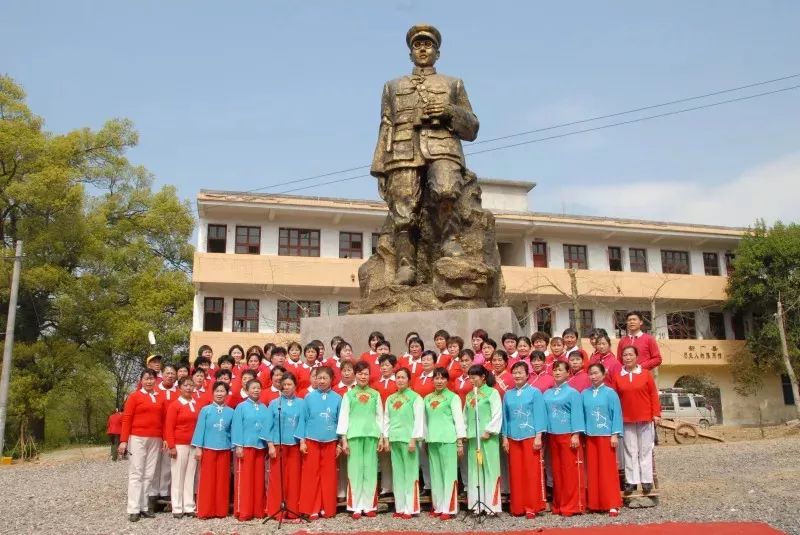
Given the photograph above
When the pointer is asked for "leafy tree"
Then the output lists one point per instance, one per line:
(106, 259)
(766, 268)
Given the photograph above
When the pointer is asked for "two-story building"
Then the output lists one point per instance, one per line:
(263, 261)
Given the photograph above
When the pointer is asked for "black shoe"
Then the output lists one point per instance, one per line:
(628, 489)
(177, 515)
(133, 517)
(147, 514)
(647, 488)
(190, 515)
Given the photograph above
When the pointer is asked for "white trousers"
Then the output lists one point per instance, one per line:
(183, 468)
(385, 463)
(160, 485)
(141, 469)
(638, 442)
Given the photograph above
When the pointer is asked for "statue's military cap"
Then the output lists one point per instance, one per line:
(424, 30)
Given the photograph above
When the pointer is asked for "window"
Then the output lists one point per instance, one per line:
(298, 242)
(786, 385)
(212, 313)
(587, 321)
(245, 315)
(621, 324)
(716, 323)
(737, 322)
(344, 308)
(638, 260)
(575, 256)
(675, 262)
(351, 245)
(539, 249)
(375, 238)
(667, 403)
(290, 312)
(711, 263)
(615, 259)
(680, 326)
(729, 260)
(248, 240)
(544, 319)
(684, 401)
(216, 240)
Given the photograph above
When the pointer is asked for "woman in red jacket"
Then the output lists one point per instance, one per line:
(178, 429)
(641, 409)
(141, 437)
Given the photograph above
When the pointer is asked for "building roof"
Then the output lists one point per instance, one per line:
(206, 196)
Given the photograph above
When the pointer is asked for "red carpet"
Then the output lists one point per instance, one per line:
(670, 528)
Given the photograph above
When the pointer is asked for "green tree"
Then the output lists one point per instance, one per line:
(766, 269)
(106, 259)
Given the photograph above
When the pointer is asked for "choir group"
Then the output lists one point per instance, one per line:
(291, 431)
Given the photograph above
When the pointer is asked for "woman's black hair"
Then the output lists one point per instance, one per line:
(219, 384)
(432, 354)
(521, 364)
(477, 369)
(599, 366)
(561, 364)
(441, 372)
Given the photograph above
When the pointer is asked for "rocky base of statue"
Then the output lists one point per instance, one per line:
(470, 280)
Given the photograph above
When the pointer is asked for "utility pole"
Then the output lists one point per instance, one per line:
(9, 342)
(785, 353)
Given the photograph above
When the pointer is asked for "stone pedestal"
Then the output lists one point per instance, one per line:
(355, 328)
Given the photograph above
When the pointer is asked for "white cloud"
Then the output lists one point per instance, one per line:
(770, 191)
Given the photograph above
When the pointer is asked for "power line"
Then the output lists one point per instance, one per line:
(557, 136)
(553, 127)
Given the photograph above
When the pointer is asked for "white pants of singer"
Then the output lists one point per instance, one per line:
(183, 468)
(141, 469)
(638, 442)
(160, 485)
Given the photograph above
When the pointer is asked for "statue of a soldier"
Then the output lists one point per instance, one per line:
(424, 117)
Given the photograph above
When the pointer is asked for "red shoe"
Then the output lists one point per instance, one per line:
(371, 514)
(613, 513)
(530, 516)
(434, 514)
(313, 517)
(406, 516)
(397, 515)
(445, 516)
(356, 516)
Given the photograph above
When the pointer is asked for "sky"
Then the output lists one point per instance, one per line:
(252, 94)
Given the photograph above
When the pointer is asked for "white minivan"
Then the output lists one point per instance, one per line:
(678, 404)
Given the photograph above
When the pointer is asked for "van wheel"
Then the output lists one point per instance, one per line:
(704, 424)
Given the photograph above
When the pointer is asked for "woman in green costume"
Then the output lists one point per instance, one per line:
(360, 428)
(403, 429)
(483, 413)
(444, 437)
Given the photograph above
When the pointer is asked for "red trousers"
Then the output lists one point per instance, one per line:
(288, 487)
(569, 477)
(602, 478)
(526, 474)
(214, 486)
(248, 493)
(318, 495)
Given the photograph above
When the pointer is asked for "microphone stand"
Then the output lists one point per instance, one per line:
(281, 514)
(479, 508)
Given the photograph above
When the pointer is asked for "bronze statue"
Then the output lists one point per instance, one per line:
(436, 238)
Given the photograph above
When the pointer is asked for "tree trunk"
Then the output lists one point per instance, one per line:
(786, 361)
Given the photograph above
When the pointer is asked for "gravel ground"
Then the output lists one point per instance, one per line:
(78, 491)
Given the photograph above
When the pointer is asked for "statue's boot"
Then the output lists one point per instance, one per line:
(450, 227)
(406, 272)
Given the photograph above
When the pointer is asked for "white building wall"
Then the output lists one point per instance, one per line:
(696, 263)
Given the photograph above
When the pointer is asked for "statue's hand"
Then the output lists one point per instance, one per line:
(435, 110)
